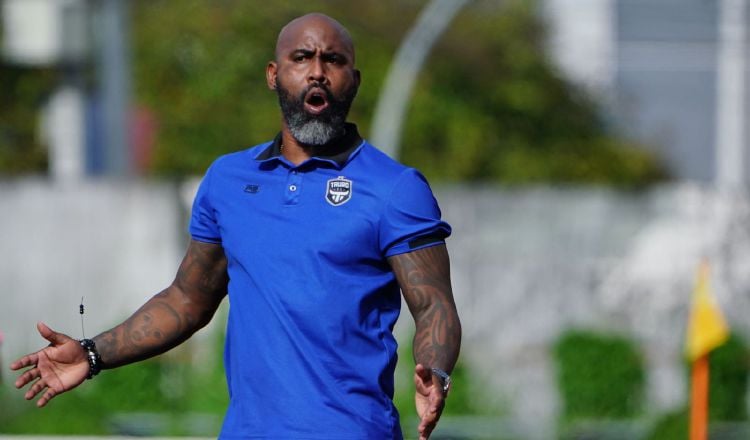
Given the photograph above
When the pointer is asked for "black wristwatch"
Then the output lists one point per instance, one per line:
(95, 361)
(445, 380)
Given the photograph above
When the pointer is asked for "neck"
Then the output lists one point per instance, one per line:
(292, 150)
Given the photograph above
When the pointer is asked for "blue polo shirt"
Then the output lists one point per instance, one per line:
(310, 352)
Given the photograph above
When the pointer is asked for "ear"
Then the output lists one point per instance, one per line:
(271, 70)
(357, 80)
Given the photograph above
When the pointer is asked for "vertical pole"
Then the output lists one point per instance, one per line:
(114, 77)
(399, 82)
(731, 95)
(699, 399)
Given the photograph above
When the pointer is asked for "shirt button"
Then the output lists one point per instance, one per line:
(292, 188)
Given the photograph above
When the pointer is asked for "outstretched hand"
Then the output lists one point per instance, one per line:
(58, 368)
(429, 399)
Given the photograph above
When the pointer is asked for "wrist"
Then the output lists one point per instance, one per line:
(92, 356)
(444, 378)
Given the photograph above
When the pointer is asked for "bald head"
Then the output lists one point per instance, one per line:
(302, 27)
(315, 78)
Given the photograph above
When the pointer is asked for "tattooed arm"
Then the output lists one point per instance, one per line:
(172, 315)
(424, 277)
(166, 320)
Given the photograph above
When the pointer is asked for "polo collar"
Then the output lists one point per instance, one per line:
(337, 151)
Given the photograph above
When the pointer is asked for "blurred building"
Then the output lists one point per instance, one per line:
(86, 120)
(673, 74)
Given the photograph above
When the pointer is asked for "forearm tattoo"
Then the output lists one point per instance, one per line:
(424, 277)
(172, 315)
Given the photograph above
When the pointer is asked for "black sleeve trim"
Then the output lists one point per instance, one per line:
(426, 240)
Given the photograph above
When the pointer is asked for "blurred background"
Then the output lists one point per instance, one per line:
(588, 153)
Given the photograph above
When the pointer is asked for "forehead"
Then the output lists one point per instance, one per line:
(314, 33)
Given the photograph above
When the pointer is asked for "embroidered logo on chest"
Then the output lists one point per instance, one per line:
(338, 191)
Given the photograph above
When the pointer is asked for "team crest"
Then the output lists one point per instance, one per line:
(338, 191)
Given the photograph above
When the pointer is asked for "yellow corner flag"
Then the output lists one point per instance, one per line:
(707, 328)
(706, 331)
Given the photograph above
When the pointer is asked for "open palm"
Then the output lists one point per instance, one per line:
(55, 369)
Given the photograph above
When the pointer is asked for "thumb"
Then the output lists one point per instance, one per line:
(422, 376)
(50, 335)
(423, 373)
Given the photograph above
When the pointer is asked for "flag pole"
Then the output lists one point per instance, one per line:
(699, 399)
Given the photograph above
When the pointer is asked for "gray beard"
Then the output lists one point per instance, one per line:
(313, 132)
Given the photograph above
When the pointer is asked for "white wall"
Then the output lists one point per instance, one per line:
(115, 243)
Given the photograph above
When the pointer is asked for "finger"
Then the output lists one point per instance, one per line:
(27, 377)
(423, 373)
(425, 430)
(35, 389)
(422, 385)
(426, 426)
(50, 335)
(432, 415)
(28, 360)
(422, 376)
(429, 418)
(46, 397)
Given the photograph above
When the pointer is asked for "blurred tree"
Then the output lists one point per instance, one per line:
(671, 426)
(22, 94)
(600, 376)
(491, 107)
(488, 107)
(730, 365)
(200, 65)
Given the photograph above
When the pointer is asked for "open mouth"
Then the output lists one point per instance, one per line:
(316, 101)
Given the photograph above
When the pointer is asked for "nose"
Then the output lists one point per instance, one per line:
(317, 70)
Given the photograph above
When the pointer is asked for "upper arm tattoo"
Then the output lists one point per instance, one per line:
(203, 272)
(173, 314)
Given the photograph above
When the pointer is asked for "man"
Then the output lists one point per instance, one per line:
(311, 236)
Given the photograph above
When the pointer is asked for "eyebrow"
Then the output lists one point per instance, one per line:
(326, 53)
(301, 52)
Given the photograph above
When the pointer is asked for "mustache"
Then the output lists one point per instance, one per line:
(324, 88)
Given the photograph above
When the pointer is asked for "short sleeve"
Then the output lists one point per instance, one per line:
(203, 225)
(411, 219)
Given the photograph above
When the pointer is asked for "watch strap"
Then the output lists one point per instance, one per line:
(445, 379)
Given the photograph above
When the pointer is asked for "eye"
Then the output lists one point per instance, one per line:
(334, 59)
(300, 56)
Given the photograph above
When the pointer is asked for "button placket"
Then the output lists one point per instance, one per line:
(293, 187)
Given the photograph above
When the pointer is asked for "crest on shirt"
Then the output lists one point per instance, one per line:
(338, 191)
